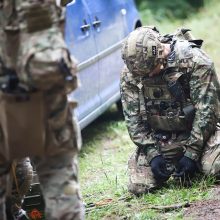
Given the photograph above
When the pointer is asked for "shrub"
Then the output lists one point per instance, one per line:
(161, 9)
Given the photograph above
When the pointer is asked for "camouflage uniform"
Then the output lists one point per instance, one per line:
(143, 98)
(32, 45)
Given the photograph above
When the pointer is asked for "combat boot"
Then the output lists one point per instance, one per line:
(141, 178)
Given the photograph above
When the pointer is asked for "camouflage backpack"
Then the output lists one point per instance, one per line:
(181, 34)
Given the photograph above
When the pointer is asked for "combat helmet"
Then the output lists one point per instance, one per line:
(142, 50)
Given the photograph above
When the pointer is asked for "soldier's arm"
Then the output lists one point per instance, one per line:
(138, 129)
(204, 94)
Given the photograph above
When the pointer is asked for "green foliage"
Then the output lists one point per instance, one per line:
(196, 3)
(162, 9)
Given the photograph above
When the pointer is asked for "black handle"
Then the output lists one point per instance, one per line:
(96, 23)
(85, 26)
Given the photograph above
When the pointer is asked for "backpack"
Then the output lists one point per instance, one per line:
(182, 34)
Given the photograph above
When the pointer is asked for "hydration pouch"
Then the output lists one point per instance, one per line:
(22, 129)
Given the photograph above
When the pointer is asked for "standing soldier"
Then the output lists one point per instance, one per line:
(170, 96)
(35, 119)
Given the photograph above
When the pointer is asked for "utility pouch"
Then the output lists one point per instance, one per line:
(168, 123)
(21, 125)
(38, 18)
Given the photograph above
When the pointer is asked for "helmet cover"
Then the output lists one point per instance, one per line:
(142, 50)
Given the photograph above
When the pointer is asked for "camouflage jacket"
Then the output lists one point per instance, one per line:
(204, 94)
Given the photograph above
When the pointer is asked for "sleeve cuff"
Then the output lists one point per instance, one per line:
(151, 153)
(192, 155)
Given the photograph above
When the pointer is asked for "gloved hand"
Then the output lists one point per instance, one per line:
(158, 167)
(186, 168)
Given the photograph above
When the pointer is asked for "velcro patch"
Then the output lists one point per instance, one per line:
(171, 57)
(38, 18)
(154, 50)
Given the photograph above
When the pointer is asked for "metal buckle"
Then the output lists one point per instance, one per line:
(170, 115)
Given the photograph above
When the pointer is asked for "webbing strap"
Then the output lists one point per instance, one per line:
(13, 167)
(142, 101)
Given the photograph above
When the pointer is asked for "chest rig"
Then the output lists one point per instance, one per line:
(167, 95)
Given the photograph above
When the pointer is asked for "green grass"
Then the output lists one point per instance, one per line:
(107, 146)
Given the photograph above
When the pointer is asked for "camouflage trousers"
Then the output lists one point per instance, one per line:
(59, 185)
(141, 178)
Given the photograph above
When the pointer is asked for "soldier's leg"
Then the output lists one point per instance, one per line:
(141, 178)
(22, 174)
(210, 161)
(4, 183)
(57, 170)
(58, 179)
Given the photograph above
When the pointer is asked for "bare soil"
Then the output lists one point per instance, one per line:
(205, 210)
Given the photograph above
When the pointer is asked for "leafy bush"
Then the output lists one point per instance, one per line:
(162, 9)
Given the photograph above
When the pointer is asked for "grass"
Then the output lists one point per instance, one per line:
(107, 146)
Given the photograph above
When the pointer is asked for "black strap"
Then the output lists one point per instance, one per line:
(197, 43)
(12, 78)
(176, 89)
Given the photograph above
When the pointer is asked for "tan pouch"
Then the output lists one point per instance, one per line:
(22, 125)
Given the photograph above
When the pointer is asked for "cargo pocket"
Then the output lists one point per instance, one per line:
(61, 135)
(22, 125)
(50, 67)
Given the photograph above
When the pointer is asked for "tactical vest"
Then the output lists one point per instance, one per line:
(167, 96)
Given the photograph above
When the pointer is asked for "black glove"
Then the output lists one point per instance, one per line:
(186, 168)
(158, 167)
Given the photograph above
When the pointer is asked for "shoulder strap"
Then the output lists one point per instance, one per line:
(142, 100)
(182, 34)
(185, 34)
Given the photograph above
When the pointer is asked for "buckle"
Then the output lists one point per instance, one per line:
(170, 114)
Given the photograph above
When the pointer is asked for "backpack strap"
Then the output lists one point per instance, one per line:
(142, 100)
(182, 34)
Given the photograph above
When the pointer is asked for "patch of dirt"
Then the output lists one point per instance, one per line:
(205, 210)
(216, 192)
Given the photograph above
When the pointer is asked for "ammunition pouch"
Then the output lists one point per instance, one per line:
(22, 126)
(168, 116)
(170, 122)
(171, 119)
(167, 103)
